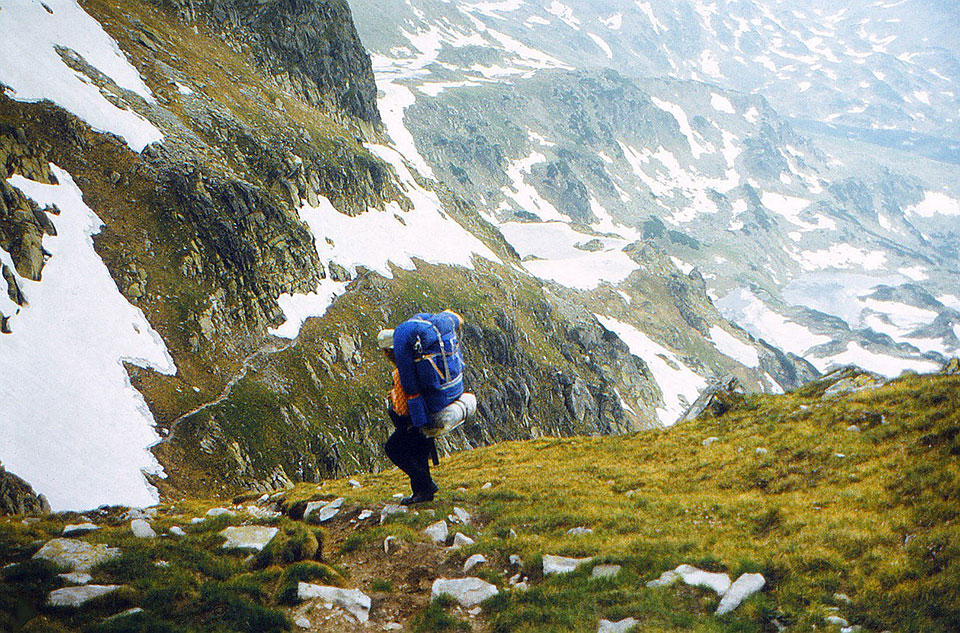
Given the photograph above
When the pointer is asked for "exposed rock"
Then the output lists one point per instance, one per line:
(76, 529)
(437, 532)
(466, 591)
(952, 368)
(216, 512)
(579, 531)
(76, 577)
(177, 531)
(744, 587)
(837, 620)
(850, 380)
(77, 596)
(18, 497)
(695, 577)
(515, 560)
(364, 515)
(354, 483)
(710, 440)
(606, 626)
(462, 514)
(325, 510)
(248, 536)
(353, 601)
(302, 622)
(142, 529)
(390, 510)
(472, 562)
(462, 540)
(561, 564)
(77, 555)
(719, 397)
(853, 428)
(605, 571)
(392, 544)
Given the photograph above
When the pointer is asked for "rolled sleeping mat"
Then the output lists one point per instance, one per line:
(451, 416)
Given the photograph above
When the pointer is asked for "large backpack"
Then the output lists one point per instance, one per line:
(439, 367)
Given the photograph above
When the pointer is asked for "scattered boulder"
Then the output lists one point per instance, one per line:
(710, 440)
(391, 509)
(78, 596)
(853, 428)
(462, 514)
(177, 531)
(695, 577)
(850, 380)
(76, 529)
(142, 529)
(216, 512)
(248, 536)
(472, 562)
(354, 483)
(462, 540)
(77, 578)
(302, 622)
(467, 592)
(515, 560)
(437, 532)
(719, 397)
(952, 368)
(486, 486)
(18, 497)
(744, 587)
(77, 555)
(605, 571)
(353, 601)
(324, 510)
(606, 626)
(836, 619)
(364, 515)
(561, 564)
(392, 544)
(579, 531)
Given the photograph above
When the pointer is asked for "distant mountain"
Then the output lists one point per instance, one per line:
(688, 124)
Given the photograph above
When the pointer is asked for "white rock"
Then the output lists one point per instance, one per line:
(463, 515)
(761, 451)
(398, 495)
(248, 536)
(472, 562)
(216, 512)
(354, 483)
(177, 531)
(744, 587)
(836, 619)
(77, 596)
(699, 578)
(605, 571)
(710, 440)
(302, 622)
(516, 560)
(124, 614)
(856, 628)
(353, 601)
(462, 540)
(853, 428)
(514, 579)
(512, 533)
(263, 498)
(666, 579)
(437, 532)
(77, 578)
(606, 626)
(196, 520)
(262, 513)
(77, 529)
(162, 563)
(390, 510)
(521, 586)
(466, 591)
(391, 544)
(142, 529)
(364, 515)
(841, 597)
(77, 555)
(579, 531)
(561, 564)
(325, 510)
(392, 626)
(486, 486)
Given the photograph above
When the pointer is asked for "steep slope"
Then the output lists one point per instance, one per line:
(203, 226)
(842, 495)
(505, 102)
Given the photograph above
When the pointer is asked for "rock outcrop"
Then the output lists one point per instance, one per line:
(18, 497)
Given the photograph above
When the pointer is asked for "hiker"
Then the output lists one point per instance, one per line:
(427, 398)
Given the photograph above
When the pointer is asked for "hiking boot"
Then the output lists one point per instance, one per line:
(420, 497)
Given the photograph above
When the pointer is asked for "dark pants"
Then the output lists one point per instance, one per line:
(411, 450)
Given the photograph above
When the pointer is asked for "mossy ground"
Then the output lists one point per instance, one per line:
(869, 513)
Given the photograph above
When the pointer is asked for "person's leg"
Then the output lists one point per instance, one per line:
(420, 449)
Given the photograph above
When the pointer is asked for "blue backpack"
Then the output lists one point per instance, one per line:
(427, 350)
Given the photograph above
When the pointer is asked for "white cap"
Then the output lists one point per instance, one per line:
(385, 339)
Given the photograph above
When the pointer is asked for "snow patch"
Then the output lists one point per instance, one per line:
(721, 103)
(746, 310)
(679, 385)
(733, 347)
(935, 203)
(33, 70)
(67, 348)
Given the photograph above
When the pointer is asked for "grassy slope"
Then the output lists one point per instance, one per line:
(877, 524)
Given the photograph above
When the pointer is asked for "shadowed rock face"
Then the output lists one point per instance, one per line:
(18, 497)
(313, 42)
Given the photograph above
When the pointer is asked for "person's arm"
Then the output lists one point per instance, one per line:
(404, 337)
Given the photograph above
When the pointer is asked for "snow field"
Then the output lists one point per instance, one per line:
(731, 346)
(33, 70)
(378, 240)
(67, 349)
(746, 310)
(679, 385)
